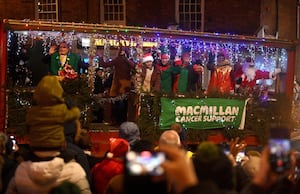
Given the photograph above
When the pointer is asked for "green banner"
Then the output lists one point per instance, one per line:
(203, 113)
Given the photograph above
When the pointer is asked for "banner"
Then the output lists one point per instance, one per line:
(203, 113)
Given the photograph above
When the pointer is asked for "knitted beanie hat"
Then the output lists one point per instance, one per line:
(212, 164)
(129, 131)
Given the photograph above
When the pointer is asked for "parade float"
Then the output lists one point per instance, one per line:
(202, 115)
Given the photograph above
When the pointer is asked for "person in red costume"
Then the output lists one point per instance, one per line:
(221, 74)
(249, 74)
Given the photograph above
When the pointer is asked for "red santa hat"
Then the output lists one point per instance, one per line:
(117, 147)
(148, 57)
(165, 56)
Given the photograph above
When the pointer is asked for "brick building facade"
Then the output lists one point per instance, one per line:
(227, 16)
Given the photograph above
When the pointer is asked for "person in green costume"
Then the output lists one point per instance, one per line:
(63, 63)
(168, 70)
(190, 75)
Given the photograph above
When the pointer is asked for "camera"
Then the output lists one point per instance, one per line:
(143, 172)
(280, 148)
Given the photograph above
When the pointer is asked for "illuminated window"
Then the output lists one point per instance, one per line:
(46, 10)
(113, 12)
(190, 14)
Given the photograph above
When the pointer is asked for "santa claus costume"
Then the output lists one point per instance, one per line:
(250, 74)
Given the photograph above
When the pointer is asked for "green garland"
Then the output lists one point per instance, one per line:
(259, 118)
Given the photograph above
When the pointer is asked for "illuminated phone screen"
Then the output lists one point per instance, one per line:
(144, 163)
(280, 154)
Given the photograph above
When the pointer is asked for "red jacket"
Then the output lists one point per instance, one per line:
(104, 171)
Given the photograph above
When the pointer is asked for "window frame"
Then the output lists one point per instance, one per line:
(46, 3)
(111, 11)
(182, 13)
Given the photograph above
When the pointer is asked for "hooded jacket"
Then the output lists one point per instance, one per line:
(40, 177)
(46, 118)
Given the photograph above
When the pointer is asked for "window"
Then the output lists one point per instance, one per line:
(113, 12)
(46, 10)
(190, 14)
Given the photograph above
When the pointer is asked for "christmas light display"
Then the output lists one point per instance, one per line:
(267, 54)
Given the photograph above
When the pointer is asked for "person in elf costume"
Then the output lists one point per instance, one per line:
(168, 70)
(187, 79)
(63, 63)
(222, 77)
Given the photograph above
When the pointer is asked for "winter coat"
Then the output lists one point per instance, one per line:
(46, 118)
(155, 78)
(40, 177)
(104, 171)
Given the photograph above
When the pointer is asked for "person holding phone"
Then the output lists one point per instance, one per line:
(276, 168)
(180, 170)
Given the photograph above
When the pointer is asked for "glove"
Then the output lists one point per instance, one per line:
(211, 57)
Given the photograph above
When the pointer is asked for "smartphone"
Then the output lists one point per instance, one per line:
(297, 167)
(240, 156)
(145, 163)
(143, 173)
(14, 142)
(280, 148)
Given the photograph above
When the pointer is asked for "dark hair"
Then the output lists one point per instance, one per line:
(142, 145)
(217, 168)
(122, 48)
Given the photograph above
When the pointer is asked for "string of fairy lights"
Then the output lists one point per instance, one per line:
(266, 57)
(93, 37)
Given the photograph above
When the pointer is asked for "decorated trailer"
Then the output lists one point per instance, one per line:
(24, 43)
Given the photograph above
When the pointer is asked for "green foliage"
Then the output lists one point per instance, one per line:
(18, 101)
(76, 92)
(148, 120)
(260, 115)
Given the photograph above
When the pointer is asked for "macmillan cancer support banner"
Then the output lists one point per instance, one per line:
(203, 113)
